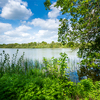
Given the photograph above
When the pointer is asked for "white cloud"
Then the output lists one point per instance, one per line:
(45, 35)
(5, 27)
(15, 9)
(23, 22)
(23, 28)
(55, 11)
(20, 31)
(16, 34)
(48, 29)
(20, 34)
(3, 2)
(48, 34)
(7, 39)
(41, 33)
(49, 24)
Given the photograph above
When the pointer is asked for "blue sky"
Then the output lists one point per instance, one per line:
(24, 21)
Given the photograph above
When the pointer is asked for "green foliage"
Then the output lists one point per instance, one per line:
(86, 89)
(93, 60)
(56, 67)
(10, 85)
(21, 87)
(63, 63)
(86, 86)
(47, 4)
(85, 25)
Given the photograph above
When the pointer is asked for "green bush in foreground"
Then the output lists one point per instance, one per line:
(33, 87)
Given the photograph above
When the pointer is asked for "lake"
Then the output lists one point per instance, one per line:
(74, 70)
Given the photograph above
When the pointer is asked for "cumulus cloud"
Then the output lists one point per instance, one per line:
(23, 22)
(7, 39)
(3, 2)
(5, 27)
(15, 9)
(20, 34)
(49, 24)
(54, 11)
(48, 31)
(16, 34)
(41, 33)
(20, 31)
(23, 28)
(45, 35)
(48, 27)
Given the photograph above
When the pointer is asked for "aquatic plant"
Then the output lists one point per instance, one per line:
(56, 67)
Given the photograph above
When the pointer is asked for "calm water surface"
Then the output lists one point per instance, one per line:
(40, 53)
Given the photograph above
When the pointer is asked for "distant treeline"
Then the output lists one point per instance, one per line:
(43, 44)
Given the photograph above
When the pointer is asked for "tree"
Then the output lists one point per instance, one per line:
(85, 25)
(70, 44)
(52, 44)
(35, 43)
(43, 42)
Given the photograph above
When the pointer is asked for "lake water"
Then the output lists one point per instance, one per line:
(38, 54)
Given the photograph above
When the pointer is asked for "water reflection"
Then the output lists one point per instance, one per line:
(77, 72)
(85, 72)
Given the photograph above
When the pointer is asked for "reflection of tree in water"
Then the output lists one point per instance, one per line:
(92, 73)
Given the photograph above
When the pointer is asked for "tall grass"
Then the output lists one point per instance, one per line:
(8, 65)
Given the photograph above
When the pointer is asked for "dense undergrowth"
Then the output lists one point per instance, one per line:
(25, 80)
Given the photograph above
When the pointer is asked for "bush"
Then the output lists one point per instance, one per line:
(84, 87)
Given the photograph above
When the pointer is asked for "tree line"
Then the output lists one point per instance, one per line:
(42, 44)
